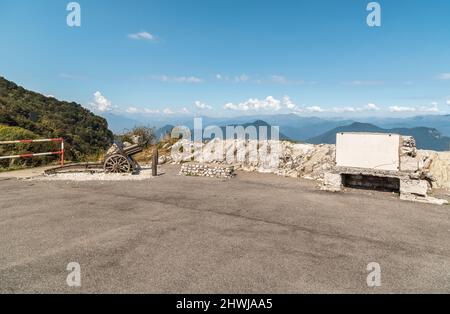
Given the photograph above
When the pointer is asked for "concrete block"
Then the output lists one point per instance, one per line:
(408, 163)
(368, 151)
(414, 187)
(332, 182)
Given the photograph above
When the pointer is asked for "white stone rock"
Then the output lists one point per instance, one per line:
(415, 187)
(332, 182)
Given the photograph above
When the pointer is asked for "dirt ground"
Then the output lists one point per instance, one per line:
(256, 233)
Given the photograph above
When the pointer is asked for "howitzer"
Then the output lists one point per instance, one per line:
(118, 159)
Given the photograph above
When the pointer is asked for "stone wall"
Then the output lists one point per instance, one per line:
(295, 160)
(207, 170)
(313, 161)
(438, 165)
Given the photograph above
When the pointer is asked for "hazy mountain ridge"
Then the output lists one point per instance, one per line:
(426, 138)
(167, 129)
(293, 126)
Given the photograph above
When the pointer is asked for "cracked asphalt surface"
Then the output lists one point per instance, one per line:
(256, 233)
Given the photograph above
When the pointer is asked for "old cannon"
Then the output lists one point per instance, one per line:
(118, 159)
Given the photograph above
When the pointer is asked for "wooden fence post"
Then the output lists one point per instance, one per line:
(155, 162)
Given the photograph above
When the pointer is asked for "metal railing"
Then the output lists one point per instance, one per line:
(61, 152)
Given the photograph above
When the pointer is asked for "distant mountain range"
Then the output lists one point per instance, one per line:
(86, 132)
(162, 132)
(257, 124)
(167, 129)
(430, 131)
(293, 126)
(426, 138)
(438, 122)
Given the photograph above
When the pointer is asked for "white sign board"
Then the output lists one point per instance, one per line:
(368, 150)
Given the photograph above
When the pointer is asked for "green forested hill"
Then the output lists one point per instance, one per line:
(47, 117)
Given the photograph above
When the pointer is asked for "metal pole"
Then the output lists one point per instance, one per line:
(62, 152)
(155, 162)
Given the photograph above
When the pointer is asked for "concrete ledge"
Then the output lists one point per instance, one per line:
(411, 189)
(423, 199)
(371, 172)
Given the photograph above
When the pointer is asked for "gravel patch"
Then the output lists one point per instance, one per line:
(144, 174)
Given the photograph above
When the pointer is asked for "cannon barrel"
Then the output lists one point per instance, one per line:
(132, 150)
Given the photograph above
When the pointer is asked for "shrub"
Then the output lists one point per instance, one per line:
(146, 134)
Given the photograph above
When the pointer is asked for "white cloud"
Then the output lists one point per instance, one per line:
(151, 111)
(448, 102)
(315, 109)
(221, 77)
(169, 111)
(268, 104)
(433, 107)
(288, 103)
(280, 79)
(230, 106)
(166, 111)
(351, 109)
(363, 83)
(444, 76)
(202, 106)
(241, 78)
(73, 77)
(184, 110)
(142, 36)
(132, 110)
(273, 104)
(101, 103)
(346, 109)
(179, 79)
(401, 109)
(189, 79)
(254, 104)
(372, 107)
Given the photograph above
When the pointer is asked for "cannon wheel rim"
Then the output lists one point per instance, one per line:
(117, 164)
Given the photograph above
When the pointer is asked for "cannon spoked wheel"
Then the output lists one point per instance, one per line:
(117, 164)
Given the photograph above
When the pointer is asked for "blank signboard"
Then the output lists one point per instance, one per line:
(368, 150)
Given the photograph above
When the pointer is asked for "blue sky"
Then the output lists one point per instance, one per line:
(233, 57)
